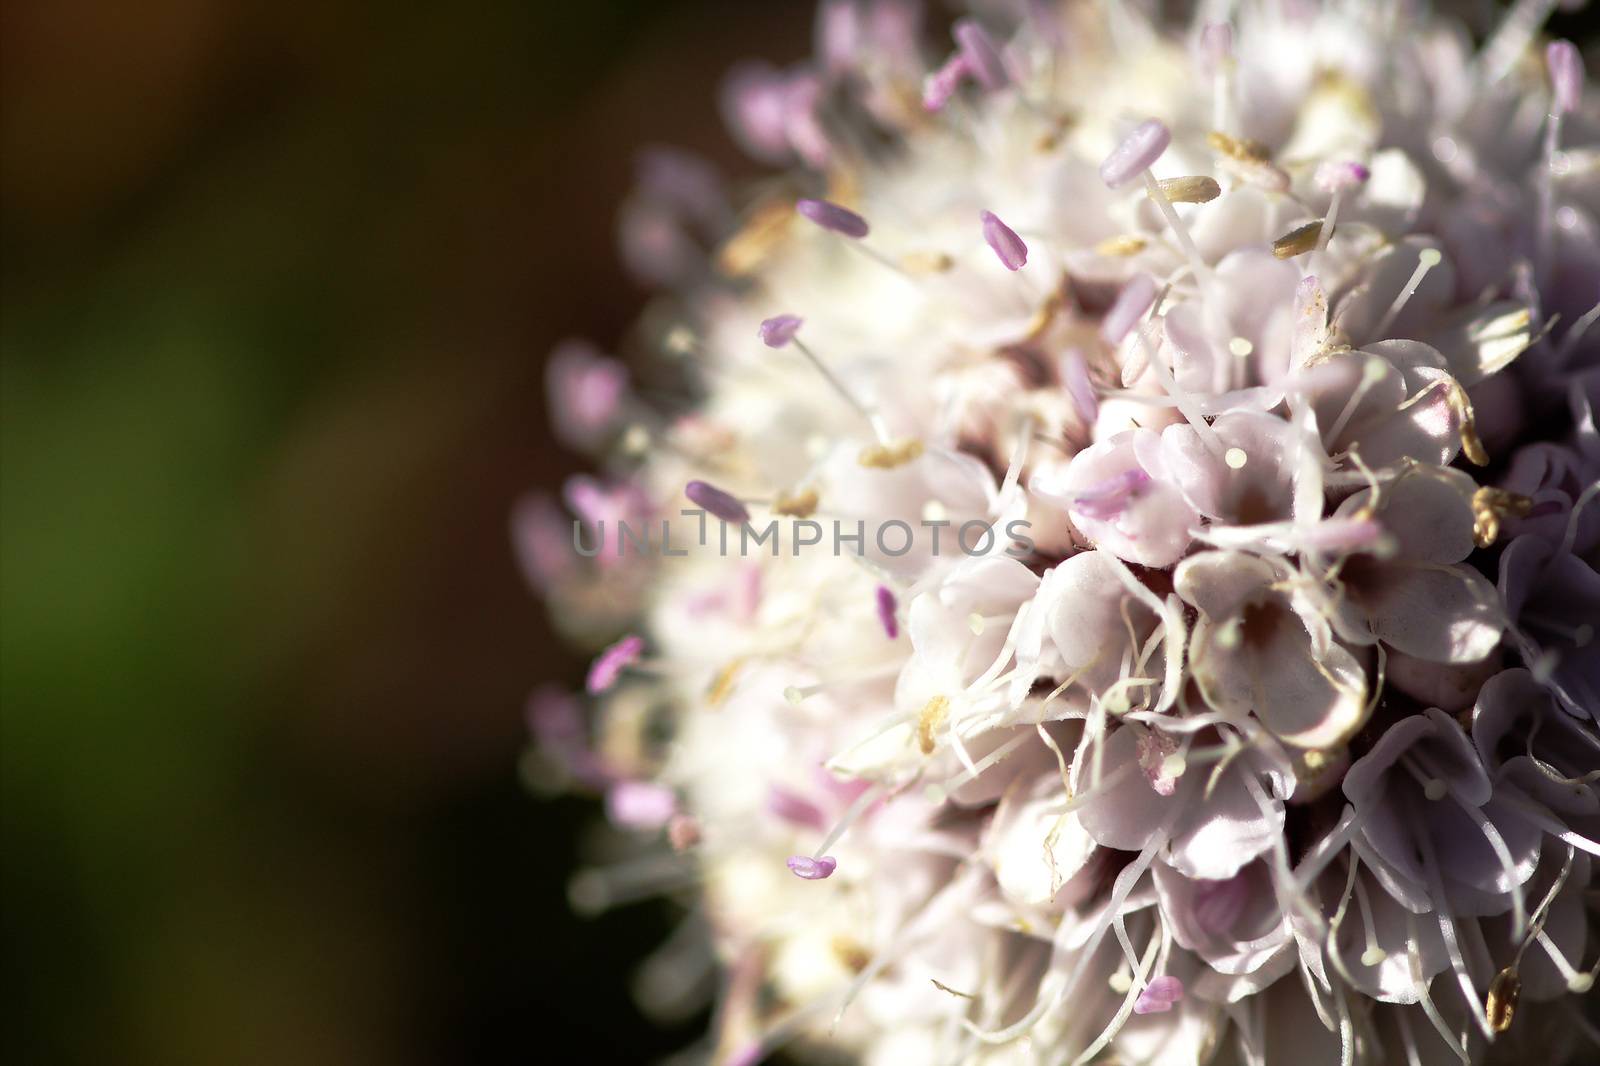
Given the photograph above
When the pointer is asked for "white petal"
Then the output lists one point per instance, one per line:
(1445, 614)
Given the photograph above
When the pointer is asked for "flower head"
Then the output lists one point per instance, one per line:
(1187, 644)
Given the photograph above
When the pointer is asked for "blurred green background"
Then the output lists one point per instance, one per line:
(278, 283)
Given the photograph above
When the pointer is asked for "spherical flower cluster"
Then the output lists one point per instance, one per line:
(1124, 588)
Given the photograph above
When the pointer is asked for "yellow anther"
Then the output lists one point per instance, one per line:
(1297, 241)
(926, 262)
(801, 504)
(933, 714)
(1198, 189)
(892, 455)
(1122, 245)
(1501, 1006)
(1490, 507)
(722, 684)
(749, 248)
(1471, 445)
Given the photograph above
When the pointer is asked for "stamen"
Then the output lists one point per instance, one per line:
(1137, 152)
(802, 504)
(1566, 90)
(1537, 814)
(1447, 926)
(1121, 246)
(886, 604)
(926, 262)
(1301, 239)
(941, 85)
(1337, 179)
(718, 503)
(1512, 37)
(1373, 955)
(722, 684)
(1490, 506)
(1373, 371)
(1130, 305)
(1159, 996)
(1192, 190)
(1249, 160)
(791, 807)
(1019, 455)
(890, 455)
(609, 664)
(942, 790)
(1180, 231)
(1120, 889)
(1010, 249)
(833, 218)
(1569, 343)
(1565, 63)
(1427, 259)
(1576, 982)
(812, 869)
(982, 55)
(797, 694)
(1185, 402)
(779, 330)
(932, 716)
(1570, 537)
(868, 797)
(1216, 56)
(1420, 985)
(1461, 406)
(1344, 535)
(1501, 1003)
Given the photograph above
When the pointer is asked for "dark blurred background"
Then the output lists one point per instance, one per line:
(278, 283)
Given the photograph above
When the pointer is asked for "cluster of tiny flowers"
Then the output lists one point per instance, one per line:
(1263, 726)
